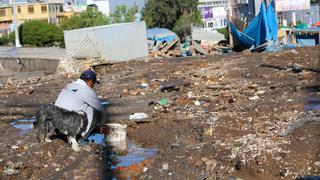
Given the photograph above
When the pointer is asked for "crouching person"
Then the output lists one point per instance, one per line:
(80, 96)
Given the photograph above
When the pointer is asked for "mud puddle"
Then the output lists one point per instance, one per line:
(312, 99)
(24, 124)
(125, 153)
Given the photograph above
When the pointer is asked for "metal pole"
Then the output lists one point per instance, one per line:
(16, 24)
(229, 28)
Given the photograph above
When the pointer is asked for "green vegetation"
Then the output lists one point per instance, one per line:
(4, 40)
(89, 18)
(177, 15)
(224, 31)
(39, 34)
(124, 14)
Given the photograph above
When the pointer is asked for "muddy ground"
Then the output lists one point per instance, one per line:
(247, 116)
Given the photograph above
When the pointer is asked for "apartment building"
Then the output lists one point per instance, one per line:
(214, 14)
(50, 11)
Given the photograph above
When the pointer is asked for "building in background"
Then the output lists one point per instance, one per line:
(102, 5)
(50, 11)
(214, 14)
(298, 11)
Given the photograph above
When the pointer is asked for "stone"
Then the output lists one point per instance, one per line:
(165, 166)
(293, 51)
(204, 159)
(197, 103)
(210, 166)
(254, 98)
(317, 163)
(283, 172)
(10, 171)
(239, 164)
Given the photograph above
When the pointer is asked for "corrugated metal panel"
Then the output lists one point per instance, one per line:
(117, 42)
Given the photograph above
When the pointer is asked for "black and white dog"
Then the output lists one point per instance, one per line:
(50, 118)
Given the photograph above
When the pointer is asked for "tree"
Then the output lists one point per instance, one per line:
(39, 33)
(89, 18)
(124, 14)
(172, 14)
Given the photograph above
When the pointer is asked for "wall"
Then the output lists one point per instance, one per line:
(117, 42)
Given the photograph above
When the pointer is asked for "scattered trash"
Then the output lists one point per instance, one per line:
(14, 147)
(164, 102)
(104, 103)
(138, 116)
(144, 85)
(116, 132)
(9, 169)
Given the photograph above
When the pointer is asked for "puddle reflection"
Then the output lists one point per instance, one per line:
(312, 99)
(24, 124)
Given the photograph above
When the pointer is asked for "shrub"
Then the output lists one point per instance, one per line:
(39, 34)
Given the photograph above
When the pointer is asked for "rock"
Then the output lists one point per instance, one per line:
(165, 166)
(316, 163)
(1, 84)
(145, 169)
(137, 116)
(175, 145)
(259, 160)
(283, 172)
(239, 164)
(210, 166)
(253, 98)
(296, 68)
(293, 51)
(260, 170)
(204, 159)
(198, 163)
(144, 85)
(197, 103)
(209, 131)
(10, 171)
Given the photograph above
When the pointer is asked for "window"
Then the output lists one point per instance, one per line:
(30, 9)
(19, 10)
(61, 8)
(43, 9)
(2, 12)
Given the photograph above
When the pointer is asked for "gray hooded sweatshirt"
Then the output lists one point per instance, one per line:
(78, 96)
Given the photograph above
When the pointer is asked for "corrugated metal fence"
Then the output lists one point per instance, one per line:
(116, 42)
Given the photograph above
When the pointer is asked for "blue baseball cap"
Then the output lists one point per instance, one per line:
(89, 74)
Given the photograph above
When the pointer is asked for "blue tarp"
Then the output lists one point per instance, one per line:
(161, 34)
(261, 29)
